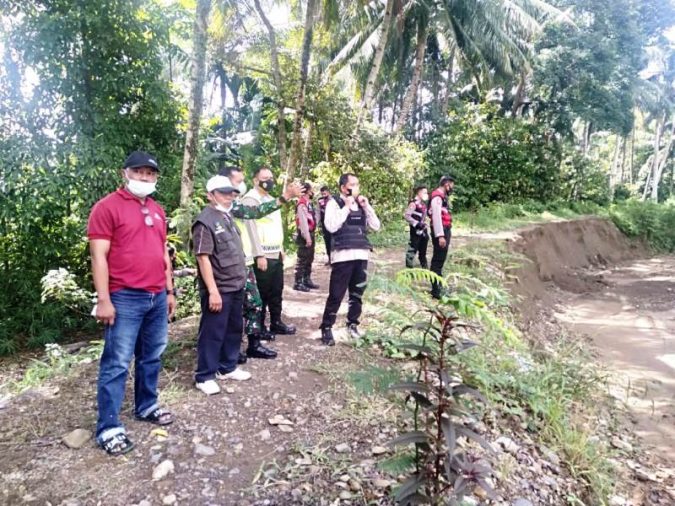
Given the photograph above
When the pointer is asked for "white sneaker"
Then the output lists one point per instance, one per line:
(236, 375)
(209, 387)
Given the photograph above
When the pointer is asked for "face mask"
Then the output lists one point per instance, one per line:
(140, 189)
(223, 209)
(241, 188)
(267, 185)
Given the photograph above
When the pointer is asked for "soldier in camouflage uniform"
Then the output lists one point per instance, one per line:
(253, 305)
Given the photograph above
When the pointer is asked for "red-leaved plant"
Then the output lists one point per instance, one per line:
(438, 399)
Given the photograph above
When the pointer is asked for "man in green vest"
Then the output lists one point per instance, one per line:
(267, 240)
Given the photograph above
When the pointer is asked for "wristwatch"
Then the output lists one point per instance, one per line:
(283, 199)
(171, 291)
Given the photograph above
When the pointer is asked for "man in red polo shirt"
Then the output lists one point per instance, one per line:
(132, 276)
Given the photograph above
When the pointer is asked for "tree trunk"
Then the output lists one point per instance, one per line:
(393, 112)
(300, 101)
(278, 84)
(306, 152)
(655, 156)
(411, 94)
(615, 163)
(622, 172)
(518, 97)
(435, 105)
(647, 165)
(369, 92)
(632, 156)
(661, 161)
(448, 85)
(419, 118)
(197, 77)
(222, 79)
(213, 91)
(588, 131)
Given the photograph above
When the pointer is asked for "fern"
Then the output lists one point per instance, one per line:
(398, 464)
(408, 277)
(374, 379)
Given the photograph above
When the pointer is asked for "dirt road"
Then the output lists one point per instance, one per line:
(218, 445)
(632, 323)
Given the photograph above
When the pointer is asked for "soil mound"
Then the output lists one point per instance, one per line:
(557, 253)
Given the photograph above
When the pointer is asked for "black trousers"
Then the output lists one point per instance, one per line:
(219, 336)
(271, 287)
(352, 276)
(417, 247)
(438, 260)
(303, 267)
(327, 239)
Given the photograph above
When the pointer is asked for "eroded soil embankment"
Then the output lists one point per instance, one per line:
(600, 283)
(558, 252)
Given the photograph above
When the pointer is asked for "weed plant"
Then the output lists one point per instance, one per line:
(553, 391)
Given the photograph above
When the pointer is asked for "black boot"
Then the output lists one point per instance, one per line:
(311, 284)
(242, 358)
(300, 286)
(279, 327)
(266, 335)
(257, 350)
(327, 337)
(353, 330)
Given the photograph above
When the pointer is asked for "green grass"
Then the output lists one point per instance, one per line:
(493, 218)
(496, 217)
(57, 362)
(653, 223)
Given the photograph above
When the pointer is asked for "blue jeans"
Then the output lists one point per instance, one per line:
(140, 329)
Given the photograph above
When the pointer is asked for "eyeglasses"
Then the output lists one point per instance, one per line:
(148, 218)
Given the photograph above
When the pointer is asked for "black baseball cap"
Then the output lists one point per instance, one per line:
(141, 159)
(446, 178)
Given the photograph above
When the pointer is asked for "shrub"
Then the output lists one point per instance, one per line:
(495, 159)
(649, 221)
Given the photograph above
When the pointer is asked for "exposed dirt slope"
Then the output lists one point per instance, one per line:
(599, 283)
(558, 254)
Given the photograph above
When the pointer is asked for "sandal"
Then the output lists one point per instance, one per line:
(119, 444)
(159, 416)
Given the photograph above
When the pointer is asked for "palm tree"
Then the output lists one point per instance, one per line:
(411, 94)
(657, 98)
(302, 85)
(490, 37)
(369, 91)
(197, 78)
(278, 84)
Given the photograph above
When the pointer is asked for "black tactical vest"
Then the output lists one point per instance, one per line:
(353, 234)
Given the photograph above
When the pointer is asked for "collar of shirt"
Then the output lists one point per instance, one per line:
(127, 195)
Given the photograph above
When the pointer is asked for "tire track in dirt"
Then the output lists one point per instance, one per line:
(632, 324)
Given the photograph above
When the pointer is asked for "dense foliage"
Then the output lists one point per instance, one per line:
(98, 94)
(494, 158)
